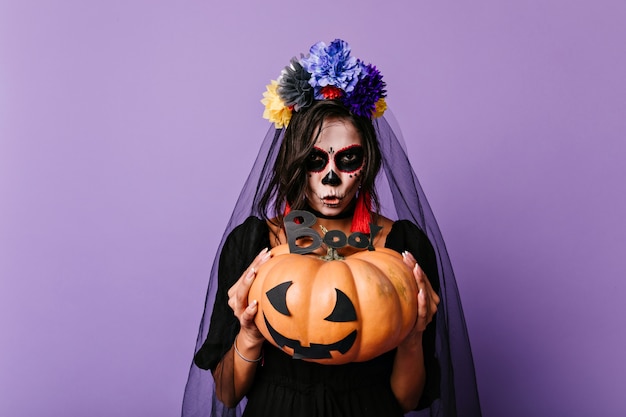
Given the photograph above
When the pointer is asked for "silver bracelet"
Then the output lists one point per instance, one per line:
(243, 357)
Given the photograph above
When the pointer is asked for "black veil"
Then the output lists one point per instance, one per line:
(401, 197)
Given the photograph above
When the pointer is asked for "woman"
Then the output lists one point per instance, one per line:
(328, 160)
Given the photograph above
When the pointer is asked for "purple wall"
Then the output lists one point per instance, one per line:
(121, 121)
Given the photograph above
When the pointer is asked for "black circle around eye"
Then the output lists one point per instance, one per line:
(316, 161)
(349, 159)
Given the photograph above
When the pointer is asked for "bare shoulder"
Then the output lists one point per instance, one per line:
(381, 237)
(277, 232)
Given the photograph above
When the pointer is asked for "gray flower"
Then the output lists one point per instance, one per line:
(294, 87)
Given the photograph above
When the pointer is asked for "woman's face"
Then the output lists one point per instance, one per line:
(334, 167)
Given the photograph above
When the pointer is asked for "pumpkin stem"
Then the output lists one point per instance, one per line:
(331, 253)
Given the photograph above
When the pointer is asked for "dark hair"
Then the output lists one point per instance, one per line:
(288, 179)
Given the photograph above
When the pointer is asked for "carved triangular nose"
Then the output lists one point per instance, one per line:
(331, 179)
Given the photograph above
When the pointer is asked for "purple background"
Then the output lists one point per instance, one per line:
(127, 129)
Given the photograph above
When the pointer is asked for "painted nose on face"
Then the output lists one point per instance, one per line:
(331, 179)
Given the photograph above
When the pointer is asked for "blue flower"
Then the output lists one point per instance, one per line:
(332, 65)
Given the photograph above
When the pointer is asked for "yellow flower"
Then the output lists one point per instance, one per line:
(275, 109)
(381, 106)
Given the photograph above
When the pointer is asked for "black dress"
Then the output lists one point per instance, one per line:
(289, 387)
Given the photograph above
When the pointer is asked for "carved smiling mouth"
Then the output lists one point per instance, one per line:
(316, 350)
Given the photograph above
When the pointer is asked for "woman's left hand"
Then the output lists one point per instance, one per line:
(427, 298)
(409, 372)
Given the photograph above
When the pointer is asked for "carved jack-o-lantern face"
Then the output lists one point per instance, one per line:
(342, 312)
(336, 311)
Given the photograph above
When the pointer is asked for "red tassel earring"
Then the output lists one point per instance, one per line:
(362, 217)
(287, 209)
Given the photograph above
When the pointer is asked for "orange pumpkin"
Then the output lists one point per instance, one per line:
(335, 311)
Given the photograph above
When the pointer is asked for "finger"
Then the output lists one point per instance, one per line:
(433, 309)
(233, 290)
(424, 298)
(247, 317)
(422, 310)
(408, 259)
(409, 256)
(420, 276)
(435, 298)
(423, 283)
(261, 258)
(430, 296)
(243, 287)
(430, 307)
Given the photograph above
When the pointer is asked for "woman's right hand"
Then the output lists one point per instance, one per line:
(234, 376)
(238, 301)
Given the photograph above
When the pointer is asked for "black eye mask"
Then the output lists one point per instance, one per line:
(348, 159)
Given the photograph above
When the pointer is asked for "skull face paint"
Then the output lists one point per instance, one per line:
(348, 159)
(334, 166)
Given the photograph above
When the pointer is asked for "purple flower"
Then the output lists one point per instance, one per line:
(294, 87)
(368, 90)
(332, 65)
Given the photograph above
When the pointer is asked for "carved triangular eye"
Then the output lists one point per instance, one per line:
(278, 297)
(344, 309)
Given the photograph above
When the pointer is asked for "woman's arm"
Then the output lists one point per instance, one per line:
(234, 374)
(409, 373)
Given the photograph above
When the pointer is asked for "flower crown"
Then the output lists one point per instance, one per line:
(327, 73)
